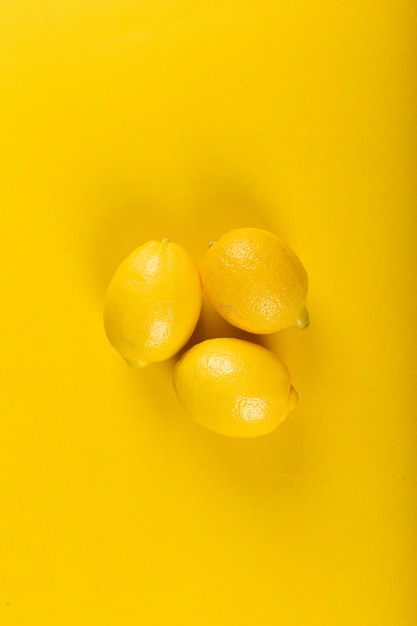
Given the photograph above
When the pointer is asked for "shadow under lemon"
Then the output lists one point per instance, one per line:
(131, 212)
(286, 449)
(133, 216)
(280, 465)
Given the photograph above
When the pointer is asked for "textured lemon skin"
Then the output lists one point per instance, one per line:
(153, 303)
(234, 387)
(255, 281)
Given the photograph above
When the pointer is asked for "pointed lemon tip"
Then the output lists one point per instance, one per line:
(291, 403)
(136, 363)
(292, 399)
(303, 320)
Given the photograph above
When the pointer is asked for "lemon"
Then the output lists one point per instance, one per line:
(255, 281)
(234, 387)
(153, 303)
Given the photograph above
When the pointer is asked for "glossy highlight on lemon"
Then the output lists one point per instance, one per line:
(153, 303)
(234, 387)
(255, 281)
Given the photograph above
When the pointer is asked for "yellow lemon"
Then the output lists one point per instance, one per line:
(234, 387)
(255, 281)
(153, 303)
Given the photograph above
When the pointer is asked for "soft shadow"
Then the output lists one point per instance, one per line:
(294, 452)
(127, 219)
(217, 202)
(128, 215)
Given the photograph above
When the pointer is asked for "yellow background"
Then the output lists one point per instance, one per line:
(125, 121)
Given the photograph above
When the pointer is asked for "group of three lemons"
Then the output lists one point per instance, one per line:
(255, 282)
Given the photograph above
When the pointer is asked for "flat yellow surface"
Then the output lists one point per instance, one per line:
(139, 119)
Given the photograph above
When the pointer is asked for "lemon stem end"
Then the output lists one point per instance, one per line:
(303, 321)
(136, 363)
(291, 403)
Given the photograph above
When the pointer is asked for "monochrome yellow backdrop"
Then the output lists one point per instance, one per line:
(123, 121)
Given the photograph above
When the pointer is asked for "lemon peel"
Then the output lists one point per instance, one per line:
(255, 281)
(234, 387)
(153, 303)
